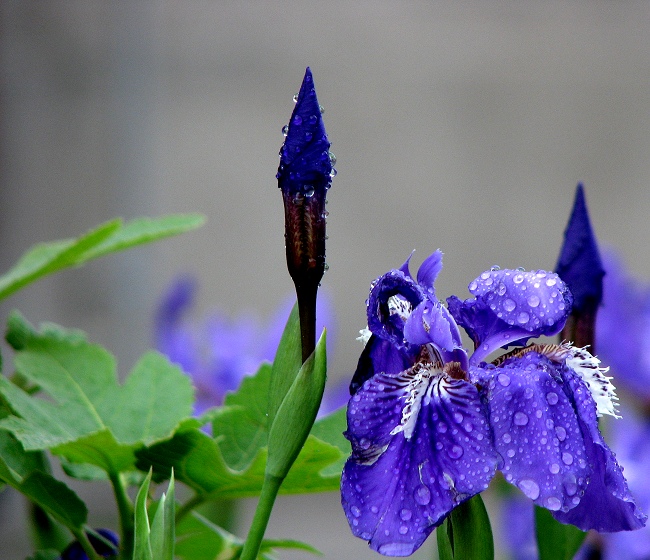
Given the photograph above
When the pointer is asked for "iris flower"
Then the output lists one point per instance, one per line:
(429, 424)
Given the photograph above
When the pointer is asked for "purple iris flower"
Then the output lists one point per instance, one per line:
(219, 352)
(76, 552)
(429, 424)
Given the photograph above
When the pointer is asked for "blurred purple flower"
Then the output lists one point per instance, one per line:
(623, 328)
(74, 551)
(217, 353)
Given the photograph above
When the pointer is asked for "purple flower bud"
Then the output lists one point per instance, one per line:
(304, 176)
(579, 265)
(74, 551)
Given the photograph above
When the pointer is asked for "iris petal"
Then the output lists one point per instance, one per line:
(429, 270)
(536, 431)
(512, 305)
(409, 470)
(607, 505)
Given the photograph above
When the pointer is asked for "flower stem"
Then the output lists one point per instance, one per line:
(253, 542)
(125, 511)
(84, 541)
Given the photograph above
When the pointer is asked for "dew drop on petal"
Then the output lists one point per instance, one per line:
(422, 495)
(553, 503)
(551, 398)
(551, 282)
(507, 438)
(521, 419)
(533, 301)
(530, 488)
(510, 453)
(509, 305)
(518, 278)
(503, 379)
(455, 452)
(405, 514)
(355, 511)
(567, 458)
(297, 120)
(458, 417)
(554, 468)
(523, 317)
(403, 530)
(560, 432)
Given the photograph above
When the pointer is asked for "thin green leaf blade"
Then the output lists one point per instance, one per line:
(472, 532)
(445, 551)
(555, 540)
(142, 530)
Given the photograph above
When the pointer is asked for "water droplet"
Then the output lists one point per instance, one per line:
(332, 158)
(554, 468)
(551, 398)
(285, 131)
(455, 452)
(403, 530)
(441, 427)
(560, 432)
(530, 488)
(567, 458)
(523, 317)
(458, 417)
(518, 278)
(520, 269)
(528, 393)
(553, 503)
(503, 379)
(533, 301)
(509, 305)
(406, 514)
(297, 120)
(321, 109)
(309, 191)
(521, 419)
(494, 268)
(333, 173)
(355, 511)
(295, 98)
(501, 290)
(313, 119)
(422, 495)
(308, 136)
(507, 438)
(551, 282)
(510, 453)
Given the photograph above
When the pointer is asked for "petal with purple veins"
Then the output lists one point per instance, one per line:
(536, 431)
(421, 446)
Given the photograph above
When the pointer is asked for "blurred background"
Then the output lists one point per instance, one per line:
(459, 125)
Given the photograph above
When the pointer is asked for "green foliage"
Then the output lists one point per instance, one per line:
(466, 534)
(445, 551)
(110, 237)
(90, 419)
(555, 540)
(154, 525)
(199, 539)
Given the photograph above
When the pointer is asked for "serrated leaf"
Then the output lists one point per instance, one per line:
(241, 426)
(471, 530)
(90, 417)
(330, 429)
(555, 540)
(112, 236)
(197, 461)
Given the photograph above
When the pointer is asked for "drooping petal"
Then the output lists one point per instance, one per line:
(420, 446)
(392, 299)
(607, 504)
(536, 431)
(379, 356)
(511, 306)
(429, 270)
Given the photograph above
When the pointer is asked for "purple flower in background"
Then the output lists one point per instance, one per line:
(218, 353)
(429, 425)
(75, 551)
(623, 328)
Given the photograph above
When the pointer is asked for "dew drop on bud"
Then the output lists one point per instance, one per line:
(285, 131)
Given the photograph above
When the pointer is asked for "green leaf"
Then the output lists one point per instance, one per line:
(142, 530)
(163, 524)
(199, 539)
(197, 461)
(444, 544)
(90, 418)
(556, 541)
(330, 429)
(471, 530)
(112, 236)
(46, 555)
(287, 363)
(241, 426)
(295, 417)
(269, 544)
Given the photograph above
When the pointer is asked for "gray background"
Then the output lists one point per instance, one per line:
(459, 125)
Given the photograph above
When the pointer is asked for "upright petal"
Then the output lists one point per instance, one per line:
(420, 447)
(536, 431)
(511, 306)
(429, 270)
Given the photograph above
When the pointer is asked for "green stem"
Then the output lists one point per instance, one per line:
(125, 511)
(84, 541)
(261, 519)
(188, 506)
